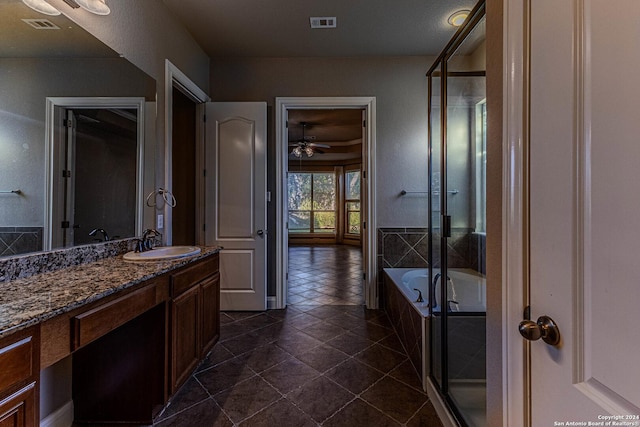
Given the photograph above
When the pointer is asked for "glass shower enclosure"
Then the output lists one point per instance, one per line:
(457, 231)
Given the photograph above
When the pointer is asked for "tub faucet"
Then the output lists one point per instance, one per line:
(453, 291)
(105, 236)
(420, 299)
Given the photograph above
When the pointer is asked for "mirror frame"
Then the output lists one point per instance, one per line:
(52, 129)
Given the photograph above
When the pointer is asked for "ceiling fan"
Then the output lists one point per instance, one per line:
(304, 146)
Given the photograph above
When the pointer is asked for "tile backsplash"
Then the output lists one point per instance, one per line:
(20, 240)
(408, 247)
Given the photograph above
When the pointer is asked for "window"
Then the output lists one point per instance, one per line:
(352, 202)
(312, 202)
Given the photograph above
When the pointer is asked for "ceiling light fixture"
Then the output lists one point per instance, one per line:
(457, 18)
(99, 7)
(42, 7)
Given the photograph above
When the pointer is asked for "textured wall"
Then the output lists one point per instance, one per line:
(25, 84)
(400, 87)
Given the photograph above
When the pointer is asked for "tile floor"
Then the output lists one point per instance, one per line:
(324, 361)
(325, 274)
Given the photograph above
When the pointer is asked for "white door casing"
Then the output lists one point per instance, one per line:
(236, 198)
(579, 95)
(369, 251)
(55, 135)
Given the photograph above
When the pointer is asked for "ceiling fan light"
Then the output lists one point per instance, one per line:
(42, 7)
(297, 152)
(309, 151)
(99, 7)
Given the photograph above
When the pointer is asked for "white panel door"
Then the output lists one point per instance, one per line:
(584, 204)
(236, 217)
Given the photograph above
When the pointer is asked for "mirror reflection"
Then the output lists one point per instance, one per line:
(58, 185)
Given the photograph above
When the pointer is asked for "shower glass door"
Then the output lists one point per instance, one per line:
(435, 169)
(457, 124)
(464, 283)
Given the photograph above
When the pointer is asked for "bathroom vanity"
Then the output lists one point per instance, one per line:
(134, 331)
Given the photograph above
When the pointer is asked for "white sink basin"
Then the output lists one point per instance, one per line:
(162, 253)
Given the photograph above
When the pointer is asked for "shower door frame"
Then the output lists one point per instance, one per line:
(441, 388)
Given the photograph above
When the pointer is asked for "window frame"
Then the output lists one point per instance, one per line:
(312, 230)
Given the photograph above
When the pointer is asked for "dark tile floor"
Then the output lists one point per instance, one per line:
(322, 361)
(325, 274)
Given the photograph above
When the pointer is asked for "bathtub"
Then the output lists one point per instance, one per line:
(410, 318)
(466, 287)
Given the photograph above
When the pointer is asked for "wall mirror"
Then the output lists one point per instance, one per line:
(51, 69)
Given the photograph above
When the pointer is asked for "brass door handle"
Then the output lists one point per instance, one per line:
(544, 328)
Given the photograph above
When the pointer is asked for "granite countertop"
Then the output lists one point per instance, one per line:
(32, 300)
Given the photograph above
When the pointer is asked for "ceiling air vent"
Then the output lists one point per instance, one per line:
(323, 22)
(41, 24)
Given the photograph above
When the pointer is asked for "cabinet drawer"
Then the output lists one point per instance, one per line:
(186, 278)
(16, 362)
(95, 323)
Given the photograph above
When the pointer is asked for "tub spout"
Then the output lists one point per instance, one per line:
(419, 295)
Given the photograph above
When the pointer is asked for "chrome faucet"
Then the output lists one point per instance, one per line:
(146, 242)
(420, 299)
(105, 236)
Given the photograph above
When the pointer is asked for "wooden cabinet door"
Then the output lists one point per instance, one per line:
(18, 410)
(185, 330)
(210, 309)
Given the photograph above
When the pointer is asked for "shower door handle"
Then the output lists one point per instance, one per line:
(544, 328)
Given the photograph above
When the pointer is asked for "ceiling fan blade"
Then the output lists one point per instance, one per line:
(313, 144)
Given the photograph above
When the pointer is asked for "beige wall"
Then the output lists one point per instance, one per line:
(400, 87)
(145, 33)
(25, 83)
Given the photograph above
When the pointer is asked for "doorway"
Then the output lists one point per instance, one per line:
(291, 113)
(183, 169)
(184, 111)
(94, 150)
(324, 206)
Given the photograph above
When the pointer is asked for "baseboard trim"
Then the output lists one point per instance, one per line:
(61, 417)
(440, 406)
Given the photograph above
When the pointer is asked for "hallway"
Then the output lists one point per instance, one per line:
(325, 360)
(325, 275)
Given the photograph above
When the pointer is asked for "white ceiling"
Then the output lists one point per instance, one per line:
(280, 28)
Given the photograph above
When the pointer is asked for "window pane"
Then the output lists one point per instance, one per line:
(353, 222)
(353, 206)
(352, 181)
(299, 222)
(299, 191)
(324, 191)
(324, 222)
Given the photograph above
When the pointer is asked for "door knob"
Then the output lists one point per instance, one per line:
(544, 328)
(260, 233)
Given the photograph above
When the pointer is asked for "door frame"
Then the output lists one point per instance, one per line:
(173, 77)
(368, 104)
(516, 396)
(55, 133)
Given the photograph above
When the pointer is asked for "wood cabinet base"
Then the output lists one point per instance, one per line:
(120, 376)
